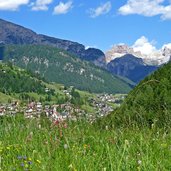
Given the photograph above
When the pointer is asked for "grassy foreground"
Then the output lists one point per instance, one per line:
(40, 145)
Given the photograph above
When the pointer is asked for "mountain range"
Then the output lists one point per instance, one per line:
(57, 60)
(121, 60)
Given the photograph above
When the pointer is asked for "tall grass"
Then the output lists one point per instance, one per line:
(39, 145)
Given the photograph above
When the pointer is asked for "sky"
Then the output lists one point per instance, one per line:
(95, 23)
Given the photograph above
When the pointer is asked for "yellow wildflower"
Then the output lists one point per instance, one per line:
(8, 148)
(164, 145)
(38, 161)
(29, 159)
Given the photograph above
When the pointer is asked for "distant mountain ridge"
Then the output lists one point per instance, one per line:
(130, 67)
(11, 33)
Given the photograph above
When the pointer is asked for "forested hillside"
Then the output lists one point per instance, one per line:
(16, 80)
(56, 65)
(149, 104)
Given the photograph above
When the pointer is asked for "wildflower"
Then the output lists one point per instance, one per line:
(164, 145)
(26, 165)
(107, 128)
(29, 159)
(8, 148)
(38, 161)
(85, 146)
(29, 162)
(139, 162)
(25, 158)
(65, 146)
(138, 154)
(126, 142)
(19, 157)
(70, 166)
(65, 125)
(46, 142)
(56, 122)
(22, 164)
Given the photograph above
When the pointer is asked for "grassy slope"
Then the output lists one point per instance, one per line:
(149, 103)
(59, 66)
(5, 98)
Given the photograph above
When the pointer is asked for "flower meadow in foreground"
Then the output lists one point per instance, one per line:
(9, 159)
(82, 146)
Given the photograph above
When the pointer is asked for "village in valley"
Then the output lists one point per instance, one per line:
(101, 104)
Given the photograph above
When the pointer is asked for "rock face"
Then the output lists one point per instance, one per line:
(14, 34)
(156, 57)
(131, 67)
(119, 51)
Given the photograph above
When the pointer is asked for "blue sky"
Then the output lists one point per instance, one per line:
(95, 23)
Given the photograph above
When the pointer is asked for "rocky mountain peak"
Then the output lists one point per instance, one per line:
(119, 51)
(166, 51)
(156, 57)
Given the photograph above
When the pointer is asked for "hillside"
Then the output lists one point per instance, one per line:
(56, 65)
(149, 103)
(15, 80)
(16, 83)
(41, 144)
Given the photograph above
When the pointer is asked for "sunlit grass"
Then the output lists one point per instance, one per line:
(5, 98)
(40, 145)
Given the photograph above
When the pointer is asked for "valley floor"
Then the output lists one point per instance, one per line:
(77, 146)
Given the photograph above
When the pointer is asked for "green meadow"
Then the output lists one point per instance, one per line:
(39, 145)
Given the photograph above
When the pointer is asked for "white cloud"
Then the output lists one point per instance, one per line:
(144, 46)
(167, 45)
(147, 8)
(12, 5)
(101, 10)
(87, 47)
(63, 8)
(41, 5)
